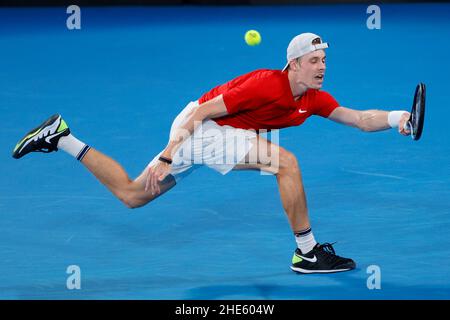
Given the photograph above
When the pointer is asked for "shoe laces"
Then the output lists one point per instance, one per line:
(328, 248)
(328, 253)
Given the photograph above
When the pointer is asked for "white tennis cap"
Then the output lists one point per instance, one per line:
(302, 44)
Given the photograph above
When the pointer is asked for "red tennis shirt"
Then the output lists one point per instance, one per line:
(263, 99)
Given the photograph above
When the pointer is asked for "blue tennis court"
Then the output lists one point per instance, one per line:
(120, 81)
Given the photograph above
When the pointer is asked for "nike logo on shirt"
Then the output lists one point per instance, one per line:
(302, 111)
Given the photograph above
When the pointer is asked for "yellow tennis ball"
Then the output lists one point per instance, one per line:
(252, 38)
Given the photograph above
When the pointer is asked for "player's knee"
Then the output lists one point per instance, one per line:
(288, 161)
(131, 205)
(130, 201)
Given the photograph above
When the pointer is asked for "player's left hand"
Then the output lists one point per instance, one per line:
(155, 175)
(404, 119)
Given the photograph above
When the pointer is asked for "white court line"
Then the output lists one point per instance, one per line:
(375, 174)
(70, 238)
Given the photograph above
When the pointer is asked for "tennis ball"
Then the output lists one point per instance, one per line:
(252, 38)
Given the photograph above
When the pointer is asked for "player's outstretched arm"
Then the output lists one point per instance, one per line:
(371, 120)
(210, 109)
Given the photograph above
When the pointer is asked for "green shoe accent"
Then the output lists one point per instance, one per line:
(32, 142)
(62, 126)
(296, 259)
(25, 138)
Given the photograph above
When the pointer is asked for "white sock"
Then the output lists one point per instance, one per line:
(305, 240)
(73, 146)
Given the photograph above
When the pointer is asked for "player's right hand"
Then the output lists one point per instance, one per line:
(155, 174)
(402, 129)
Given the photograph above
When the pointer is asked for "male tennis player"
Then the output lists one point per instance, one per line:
(234, 111)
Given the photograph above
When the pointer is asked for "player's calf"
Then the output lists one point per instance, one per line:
(54, 134)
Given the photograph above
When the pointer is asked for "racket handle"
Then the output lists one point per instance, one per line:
(407, 126)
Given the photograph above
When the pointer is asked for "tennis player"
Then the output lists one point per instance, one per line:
(236, 112)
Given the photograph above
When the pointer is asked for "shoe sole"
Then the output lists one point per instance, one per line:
(305, 271)
(32, 133)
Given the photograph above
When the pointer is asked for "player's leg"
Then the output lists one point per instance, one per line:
(309, 257)
(54, 134)
(132, 192)
(271, 158)
(111, 174)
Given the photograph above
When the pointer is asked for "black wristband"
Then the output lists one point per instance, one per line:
(166, 160)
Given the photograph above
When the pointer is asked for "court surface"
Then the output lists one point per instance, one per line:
(119, 82)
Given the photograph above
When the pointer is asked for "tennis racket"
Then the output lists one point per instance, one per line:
(416, 120)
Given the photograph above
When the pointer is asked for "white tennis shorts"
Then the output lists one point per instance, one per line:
(217, 147)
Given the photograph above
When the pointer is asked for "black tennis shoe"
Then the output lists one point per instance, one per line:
(44, 138)
(321, 259)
